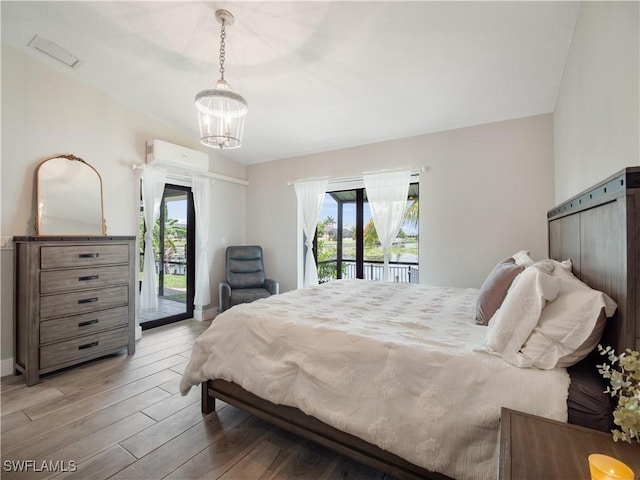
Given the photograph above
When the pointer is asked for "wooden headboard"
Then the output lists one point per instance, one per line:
(599, 230)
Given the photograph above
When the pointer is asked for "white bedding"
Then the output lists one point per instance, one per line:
(390, 363)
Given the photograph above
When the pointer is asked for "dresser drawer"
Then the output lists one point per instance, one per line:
(78, 325)
(55, 281)
(73, 303)
(83, 255)
(82, 348)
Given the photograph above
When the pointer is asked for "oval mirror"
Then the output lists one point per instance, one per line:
(69, 198)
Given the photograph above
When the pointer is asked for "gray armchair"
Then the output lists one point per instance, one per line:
(246, 280)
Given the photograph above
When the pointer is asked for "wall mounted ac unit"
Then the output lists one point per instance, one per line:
(171, 155)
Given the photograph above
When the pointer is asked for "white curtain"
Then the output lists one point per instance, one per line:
(387, 195)
(202, 201)
(153, 180)
(310, 194)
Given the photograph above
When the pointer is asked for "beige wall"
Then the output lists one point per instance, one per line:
(44, 113)
(597, 115)
(485, 196)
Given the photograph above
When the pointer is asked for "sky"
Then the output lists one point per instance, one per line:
(178, 209)
(330, 209)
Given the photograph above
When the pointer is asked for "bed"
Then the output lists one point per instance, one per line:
(392, 336)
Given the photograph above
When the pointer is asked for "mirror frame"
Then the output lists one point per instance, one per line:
(71, 158)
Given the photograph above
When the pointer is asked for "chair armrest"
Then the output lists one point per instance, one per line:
(224, 295)
(272, 285)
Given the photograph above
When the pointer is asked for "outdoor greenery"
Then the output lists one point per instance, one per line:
(175, 236)
(326, 251)
(374, 252)
(327, 244)
(174, 281)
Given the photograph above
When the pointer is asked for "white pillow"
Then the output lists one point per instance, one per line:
(569, 327)
(518, 315)
(522, 258)
(588, 345)
(550, 266)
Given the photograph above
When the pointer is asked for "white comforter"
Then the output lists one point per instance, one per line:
(390, 363)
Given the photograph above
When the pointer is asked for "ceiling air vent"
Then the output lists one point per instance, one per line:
(55, 52)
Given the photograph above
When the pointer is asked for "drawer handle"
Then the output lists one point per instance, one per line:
(88, 300)
(88, 345)
(88, 322)
(88, 277)
(88, 255)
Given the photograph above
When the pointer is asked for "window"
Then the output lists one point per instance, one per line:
(346, 243)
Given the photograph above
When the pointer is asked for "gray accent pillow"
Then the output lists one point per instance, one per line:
(495, 288)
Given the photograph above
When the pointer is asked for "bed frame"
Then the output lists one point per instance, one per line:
(599, 230)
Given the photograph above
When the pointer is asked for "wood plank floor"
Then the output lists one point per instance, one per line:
(122, 417)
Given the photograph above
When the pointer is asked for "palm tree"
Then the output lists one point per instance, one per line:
(172, 232)
(370, 234)
(412, 213)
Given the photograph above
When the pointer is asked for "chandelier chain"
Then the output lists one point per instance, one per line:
(223, 35)
(221, 111)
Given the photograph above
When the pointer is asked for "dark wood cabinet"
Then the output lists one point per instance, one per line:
(536, 448)
(74, 301)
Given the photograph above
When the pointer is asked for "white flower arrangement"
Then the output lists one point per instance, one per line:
(623, 373)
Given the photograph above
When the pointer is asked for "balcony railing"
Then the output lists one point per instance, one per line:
(401, 272)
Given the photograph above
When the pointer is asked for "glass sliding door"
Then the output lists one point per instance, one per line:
(174, 246)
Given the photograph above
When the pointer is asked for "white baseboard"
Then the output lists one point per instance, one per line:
(207, 314)
(6, 367)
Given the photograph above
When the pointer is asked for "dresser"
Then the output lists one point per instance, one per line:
(74, 301)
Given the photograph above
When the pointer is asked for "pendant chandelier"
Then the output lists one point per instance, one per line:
(221, 111)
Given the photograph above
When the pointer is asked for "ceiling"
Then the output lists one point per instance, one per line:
(317, 76)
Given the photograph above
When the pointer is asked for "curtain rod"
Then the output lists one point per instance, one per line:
(185, 173)
(414, 172)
